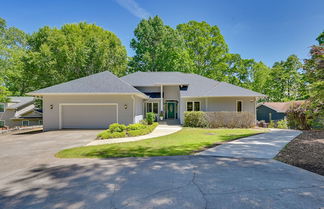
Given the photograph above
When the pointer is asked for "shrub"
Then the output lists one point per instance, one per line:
(230, 119)
(144, 122)
(132, 130)
(144, 131)
(150, 118)
(108, 135)
(272, 124)
(136, 126)
(195, 119)
(116, 127)
(282, 124)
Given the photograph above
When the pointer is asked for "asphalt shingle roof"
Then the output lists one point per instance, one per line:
(19, 102)
(282, 107)
(104, 82)
(198, 86)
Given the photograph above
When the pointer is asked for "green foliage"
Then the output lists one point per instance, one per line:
(150, 118)
(116, 127)
(282, 124)
(285, 82)
(13, 46)
(271, 124)
(158, 48)
(298, 118)
(314, 67)
(55, 55)
(195, 119)
(119, 130)
(136, 126)
(143, 131)
(206, 47)
(107, 134)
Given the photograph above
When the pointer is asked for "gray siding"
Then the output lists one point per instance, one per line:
(216, 104)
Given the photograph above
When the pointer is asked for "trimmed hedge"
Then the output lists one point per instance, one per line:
(116, 127)
(130, 130)
(219, 119)
(195, 119)
(107, 134)
(150, 118)
(144, 131)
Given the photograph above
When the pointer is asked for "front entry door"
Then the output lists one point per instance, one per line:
(171, 110)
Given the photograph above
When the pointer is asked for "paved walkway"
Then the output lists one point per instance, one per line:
(258, 146)
(160, 130)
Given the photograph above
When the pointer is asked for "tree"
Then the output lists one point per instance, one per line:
(73, 51)
(260, 73)
(206, 47)
(13, 45)
(314, 68)
(158, 48)
(285, 81)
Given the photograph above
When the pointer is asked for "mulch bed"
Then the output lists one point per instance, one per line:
(306, 151)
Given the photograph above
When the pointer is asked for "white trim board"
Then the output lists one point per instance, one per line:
(83, 104)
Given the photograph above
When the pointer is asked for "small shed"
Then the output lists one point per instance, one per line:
(273, 110)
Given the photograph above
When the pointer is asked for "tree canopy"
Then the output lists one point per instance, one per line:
(158, 48)
(56, 55)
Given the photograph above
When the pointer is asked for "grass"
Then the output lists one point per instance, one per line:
(183, 142)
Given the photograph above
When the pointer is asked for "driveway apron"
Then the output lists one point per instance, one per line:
(265, 145)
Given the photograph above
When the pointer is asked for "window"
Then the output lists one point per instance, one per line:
(152, 107)
(2, 107)
(189, 106)
(1, 124)
(193, 106)
(40, 122)
(238, 106)
(197, 106)
(25, 123)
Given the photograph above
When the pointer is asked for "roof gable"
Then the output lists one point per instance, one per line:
(104, 82)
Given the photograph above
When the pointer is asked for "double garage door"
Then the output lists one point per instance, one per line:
(88, 115)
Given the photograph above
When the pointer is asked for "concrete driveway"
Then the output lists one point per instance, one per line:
(35, 179)
(21, 151)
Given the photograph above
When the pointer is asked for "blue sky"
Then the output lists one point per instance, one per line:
(264, 30)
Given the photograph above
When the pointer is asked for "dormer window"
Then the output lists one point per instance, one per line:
(183, 87)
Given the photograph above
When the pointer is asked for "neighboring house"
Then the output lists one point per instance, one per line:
(268, 111)
(98, 100)
(19, 111)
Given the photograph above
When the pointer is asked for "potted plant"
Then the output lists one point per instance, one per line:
(161, 115)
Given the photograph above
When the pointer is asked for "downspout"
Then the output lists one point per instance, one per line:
(133, 98)
(161, 102)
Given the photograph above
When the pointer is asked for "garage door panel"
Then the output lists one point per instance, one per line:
(88, 116)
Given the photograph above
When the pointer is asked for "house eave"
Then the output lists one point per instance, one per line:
(87, 93)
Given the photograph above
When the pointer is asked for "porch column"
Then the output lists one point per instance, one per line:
(161, 104)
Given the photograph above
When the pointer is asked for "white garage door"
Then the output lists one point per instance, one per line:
(88, 116)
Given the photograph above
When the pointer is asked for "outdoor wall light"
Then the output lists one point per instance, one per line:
(51, 107)
(125, 106)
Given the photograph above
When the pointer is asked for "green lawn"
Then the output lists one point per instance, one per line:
(184, 142)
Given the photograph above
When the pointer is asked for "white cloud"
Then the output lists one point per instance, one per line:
(133, 7)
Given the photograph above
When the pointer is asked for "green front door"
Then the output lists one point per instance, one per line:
(171, 110)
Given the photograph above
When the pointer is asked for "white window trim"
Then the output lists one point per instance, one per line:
(22, 122)
(145, 106)
(241, 105)
(193, 105)
(4, 107)
(82, 104)
(4, 123)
